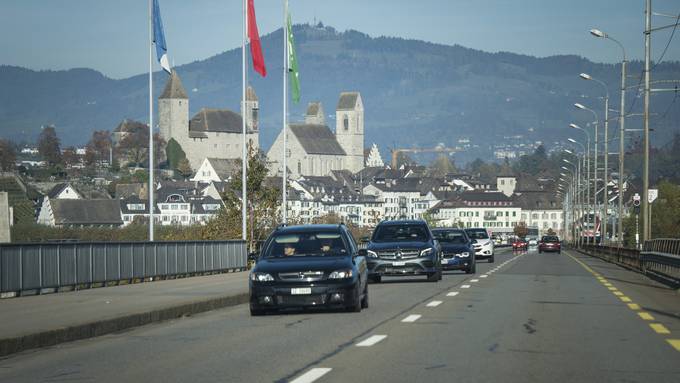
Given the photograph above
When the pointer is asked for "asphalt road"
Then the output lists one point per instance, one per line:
(526, 318)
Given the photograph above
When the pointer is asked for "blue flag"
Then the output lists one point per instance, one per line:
(159, 38)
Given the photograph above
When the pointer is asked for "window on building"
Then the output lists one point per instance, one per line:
(553, 216)
(345, 122)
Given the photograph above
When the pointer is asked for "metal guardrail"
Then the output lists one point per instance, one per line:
(35, 267)
(659, 258)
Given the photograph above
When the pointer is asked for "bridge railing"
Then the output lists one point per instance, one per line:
(36, 267)
(659, 258)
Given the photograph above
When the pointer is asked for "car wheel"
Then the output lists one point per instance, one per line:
(364, 301)
(375, 279)
(491, 259)
(356, 307)
(433, 277)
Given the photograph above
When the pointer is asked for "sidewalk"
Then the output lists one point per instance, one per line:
(45, 320)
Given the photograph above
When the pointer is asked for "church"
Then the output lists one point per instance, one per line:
(315, 150)
(214, 133)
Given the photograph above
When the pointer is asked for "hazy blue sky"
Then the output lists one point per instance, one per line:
(111, 36)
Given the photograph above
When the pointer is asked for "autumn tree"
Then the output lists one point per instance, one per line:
(135, 146)
(49, 145)
(70, 156)
(442, 166)
(521, 230)
(8, 155)
(184, 168)
(100, 145)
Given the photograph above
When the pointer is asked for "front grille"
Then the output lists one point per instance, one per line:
(301, 300)
(302, 276)
(398, 254)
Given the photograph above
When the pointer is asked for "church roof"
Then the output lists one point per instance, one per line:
(225, 167)
(317, 139)
(216, 120)
(313, 108)
(348, 100)
(174, 88)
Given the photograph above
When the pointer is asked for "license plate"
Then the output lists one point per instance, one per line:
(301, 291)
(398, 263)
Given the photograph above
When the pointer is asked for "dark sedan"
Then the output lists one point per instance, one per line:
(403, 248)
(309, 266)
(458, 252)
(550, 243)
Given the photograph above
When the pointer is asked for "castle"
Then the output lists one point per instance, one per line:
(214, 133)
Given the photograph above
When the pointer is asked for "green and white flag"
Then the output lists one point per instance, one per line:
(294, 75)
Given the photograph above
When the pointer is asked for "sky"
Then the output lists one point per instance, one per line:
(112, 36)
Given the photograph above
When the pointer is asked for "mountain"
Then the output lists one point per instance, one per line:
(415, 93)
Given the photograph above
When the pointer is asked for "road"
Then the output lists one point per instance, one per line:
(526, 318)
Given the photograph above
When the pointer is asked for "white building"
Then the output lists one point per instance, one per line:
(216, 170)
(489, 209)
(542, 210)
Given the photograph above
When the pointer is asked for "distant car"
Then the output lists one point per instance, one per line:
(519, 244)
(403, 248)
(550, 243)
(482, 243)
(457, 250)
(309, 266)
(533, 241)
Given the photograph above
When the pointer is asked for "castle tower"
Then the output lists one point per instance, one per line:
(349, 129)
(173, 110)
(314, 114)
(252, 110)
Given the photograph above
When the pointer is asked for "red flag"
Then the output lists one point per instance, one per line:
(254, 36)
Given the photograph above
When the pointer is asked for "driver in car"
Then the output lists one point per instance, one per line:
(288, 250)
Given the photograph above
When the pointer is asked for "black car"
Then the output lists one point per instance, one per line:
(309, 266)
(457, 250)
(399, 248)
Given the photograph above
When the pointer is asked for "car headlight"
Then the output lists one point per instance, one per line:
(426, 252)
(341, 274)
(261, 277)
(464, 254)
(371, 254)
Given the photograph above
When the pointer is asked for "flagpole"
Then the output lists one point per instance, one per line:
(244, 159)
(284, 187)
(151, 188)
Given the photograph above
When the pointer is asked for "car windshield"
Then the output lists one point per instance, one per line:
(450, 236)
(550, 238)
(317, 244)
(400, 233)
(477, 234)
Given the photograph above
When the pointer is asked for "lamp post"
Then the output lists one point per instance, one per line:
(573, 171)
(587, 169)
(622, 123)
(605, 199)
(595, 155)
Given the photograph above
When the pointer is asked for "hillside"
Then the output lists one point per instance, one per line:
(441, 92)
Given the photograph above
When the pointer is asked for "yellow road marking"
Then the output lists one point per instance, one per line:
(675, 343)
(618, 293)
(659, 328)
(646, 316)
(608, 284)
(612, 288)
(625, 299)
(634, 306)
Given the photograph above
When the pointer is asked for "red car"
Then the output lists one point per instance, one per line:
(519, 244)
(550, 243)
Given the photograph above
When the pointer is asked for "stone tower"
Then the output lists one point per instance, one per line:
(349, 129)
(173, 110)
(252, 109)
(314, 114)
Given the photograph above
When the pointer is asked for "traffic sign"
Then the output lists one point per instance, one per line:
(636, 199)
(652, 195)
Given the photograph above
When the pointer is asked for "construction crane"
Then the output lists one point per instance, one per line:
(436, 149)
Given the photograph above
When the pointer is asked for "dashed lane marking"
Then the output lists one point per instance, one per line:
(483, 276)
(646, 316)
(452, 294)
(618, 293)
(659, 328)
(465, 286)
(311, 375)
(675, 343)
(634, 306)
(411, 318)
(434, 304)
(474, 280)
(612, 288)
(371, 340)
(625, 299)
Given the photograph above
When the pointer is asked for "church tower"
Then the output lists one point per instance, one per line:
(315, 114)
(252, 109)
(349, 129)
(173, 110)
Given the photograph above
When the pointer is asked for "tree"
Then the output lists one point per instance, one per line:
(442, 166)
(184, 168)
(174, 153)
(666, 211)
(70, 157)
(550, 232)
(8, 155)
(100, 145)
(135, 146)
(48, 145)
(521, 230)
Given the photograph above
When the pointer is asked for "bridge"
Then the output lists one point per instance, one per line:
(528, 317)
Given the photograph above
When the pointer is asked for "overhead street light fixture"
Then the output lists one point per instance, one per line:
(580, 106)
(585, 76)
(597, 33)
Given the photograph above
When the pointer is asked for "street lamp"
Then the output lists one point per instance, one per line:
(622, 123)
(604, 214)
(596, 122)
(586, 160)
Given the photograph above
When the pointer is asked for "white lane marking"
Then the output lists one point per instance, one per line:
(474, 280)
(371, 340)
(434, 304)
(465, 287)
(483, 276)
(411, 318)
(312, 375)
(452, 294)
